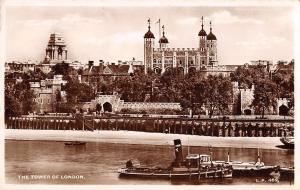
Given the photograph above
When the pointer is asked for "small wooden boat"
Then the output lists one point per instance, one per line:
(288, 141)
(74, 143)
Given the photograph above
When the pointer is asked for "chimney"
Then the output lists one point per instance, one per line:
(91, 63)
(178, 151)
(101, 63)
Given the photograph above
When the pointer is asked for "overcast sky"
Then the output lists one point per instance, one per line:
(112, 33)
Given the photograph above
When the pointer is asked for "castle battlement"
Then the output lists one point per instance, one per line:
(176, 49)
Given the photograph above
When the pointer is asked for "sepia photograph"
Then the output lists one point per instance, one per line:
(140, 94)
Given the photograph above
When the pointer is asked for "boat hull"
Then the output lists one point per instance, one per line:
(253, 172)
(176, 175)
(286, 143)
(287, 173)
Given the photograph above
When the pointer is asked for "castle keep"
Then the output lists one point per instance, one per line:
(186, 59)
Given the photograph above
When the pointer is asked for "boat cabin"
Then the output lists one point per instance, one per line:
(205, 158)
(195, 159)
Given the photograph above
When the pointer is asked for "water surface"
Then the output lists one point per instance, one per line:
(97, 163)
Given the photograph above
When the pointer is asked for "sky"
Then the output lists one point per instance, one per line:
(116, 33)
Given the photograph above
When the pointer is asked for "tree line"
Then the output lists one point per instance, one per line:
(195, 91)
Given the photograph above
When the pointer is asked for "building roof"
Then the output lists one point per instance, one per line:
(211, 36)
(149, 34)
(163, 39)
(202, 33)
(56, 39)
(112, 69)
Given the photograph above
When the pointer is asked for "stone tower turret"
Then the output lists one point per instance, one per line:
(212, 48)
(202, 46)
(148, 49)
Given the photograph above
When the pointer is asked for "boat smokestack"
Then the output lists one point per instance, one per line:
(178, 150)
(228, 158)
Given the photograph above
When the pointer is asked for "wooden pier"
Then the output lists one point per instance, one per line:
(203, 127)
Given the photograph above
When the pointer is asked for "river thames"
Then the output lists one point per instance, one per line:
(51, 162)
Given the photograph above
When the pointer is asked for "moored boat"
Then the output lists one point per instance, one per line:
(287, 172)
(240, 168)
(187, 168)
(289, 142)
(74, 143)
(257, 168)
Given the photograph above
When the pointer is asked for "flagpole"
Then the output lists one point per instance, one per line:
(159, 28)
(159, 35)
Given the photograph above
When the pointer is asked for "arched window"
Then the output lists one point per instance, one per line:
(154, 60)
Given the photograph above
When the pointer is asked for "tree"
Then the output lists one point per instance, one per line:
(77, 93)
(19, 98)
(248, 75)
(61, 69)
(265, 96)
(136, 87)
(37, 74)
(215, 92)
(284, 81)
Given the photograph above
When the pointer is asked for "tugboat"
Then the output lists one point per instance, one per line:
(288, 142)
(191, 167)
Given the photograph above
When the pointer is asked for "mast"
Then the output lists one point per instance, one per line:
(211, 160)
(188, 146)
(258, 157)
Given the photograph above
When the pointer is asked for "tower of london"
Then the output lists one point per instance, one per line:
(185, 59)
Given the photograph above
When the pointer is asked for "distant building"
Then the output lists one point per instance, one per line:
(56, 51)
(105, 73)
(76, 65)
(243, 98)
(23, 67)
(261, 62)
(224, 70)
(46, 92)
(134, 64)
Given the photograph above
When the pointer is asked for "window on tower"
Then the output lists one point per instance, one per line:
(154, 60)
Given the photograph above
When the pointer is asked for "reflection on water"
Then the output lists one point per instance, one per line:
(97, 163)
